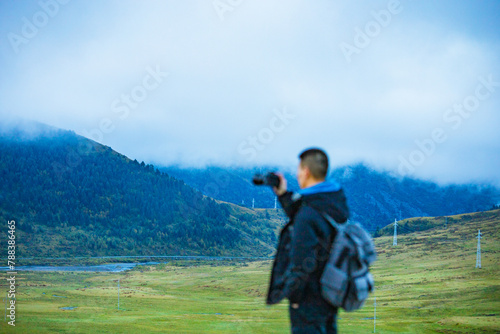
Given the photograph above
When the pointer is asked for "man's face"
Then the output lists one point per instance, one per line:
(302, 174)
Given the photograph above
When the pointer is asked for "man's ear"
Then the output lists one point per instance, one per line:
(307, 172)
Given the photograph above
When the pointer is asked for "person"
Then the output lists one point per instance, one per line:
(304, 244)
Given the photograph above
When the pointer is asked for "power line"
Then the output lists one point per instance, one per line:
(404, 229)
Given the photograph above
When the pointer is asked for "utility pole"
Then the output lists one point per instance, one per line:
(118, 280)
(275, 202)
(118, 293)
(253, 203)
(395, 240)
(478, 254)
(374, 314)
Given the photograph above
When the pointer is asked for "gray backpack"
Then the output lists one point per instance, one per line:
(346, 280)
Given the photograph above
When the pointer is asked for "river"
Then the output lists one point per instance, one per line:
(119, 267)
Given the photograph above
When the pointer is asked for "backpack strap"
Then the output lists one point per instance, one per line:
(332, 221)
(341, 229)
(337, 226)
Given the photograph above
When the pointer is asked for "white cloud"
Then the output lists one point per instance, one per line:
(226, 77)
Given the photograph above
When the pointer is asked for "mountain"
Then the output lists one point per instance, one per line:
(376, 198)
(71, 196)
(230, 184)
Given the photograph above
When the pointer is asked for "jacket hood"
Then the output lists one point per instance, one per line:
(326, 197)
(323, 187)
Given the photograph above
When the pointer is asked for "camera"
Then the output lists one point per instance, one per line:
(268, 179)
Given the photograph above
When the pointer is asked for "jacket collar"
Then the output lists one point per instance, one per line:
(323, 187)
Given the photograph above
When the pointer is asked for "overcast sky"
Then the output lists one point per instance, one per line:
(408, 86)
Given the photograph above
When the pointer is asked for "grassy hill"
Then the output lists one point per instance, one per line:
(258, 226)
(428, 283)
(416, 224)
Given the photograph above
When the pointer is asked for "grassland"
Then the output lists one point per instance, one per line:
(426, 284)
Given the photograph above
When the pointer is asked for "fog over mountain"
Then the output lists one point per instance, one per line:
(376, 198)
(406, 86)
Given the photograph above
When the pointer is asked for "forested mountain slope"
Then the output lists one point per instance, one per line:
(72, 196)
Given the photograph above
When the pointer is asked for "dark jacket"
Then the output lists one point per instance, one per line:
(304, 245)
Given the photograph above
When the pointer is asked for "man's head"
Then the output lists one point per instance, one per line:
(313, 167)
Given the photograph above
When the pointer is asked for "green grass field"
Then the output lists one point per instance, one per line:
(426, 284)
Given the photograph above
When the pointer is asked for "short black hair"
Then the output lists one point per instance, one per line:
(317, 162)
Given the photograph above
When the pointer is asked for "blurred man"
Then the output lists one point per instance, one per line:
(304, 244)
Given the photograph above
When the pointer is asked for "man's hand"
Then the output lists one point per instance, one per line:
(282, 188)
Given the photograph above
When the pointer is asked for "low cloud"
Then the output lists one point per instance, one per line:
(227, 77)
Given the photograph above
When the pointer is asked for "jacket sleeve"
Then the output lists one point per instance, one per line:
(289, 204)
(303, 262)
